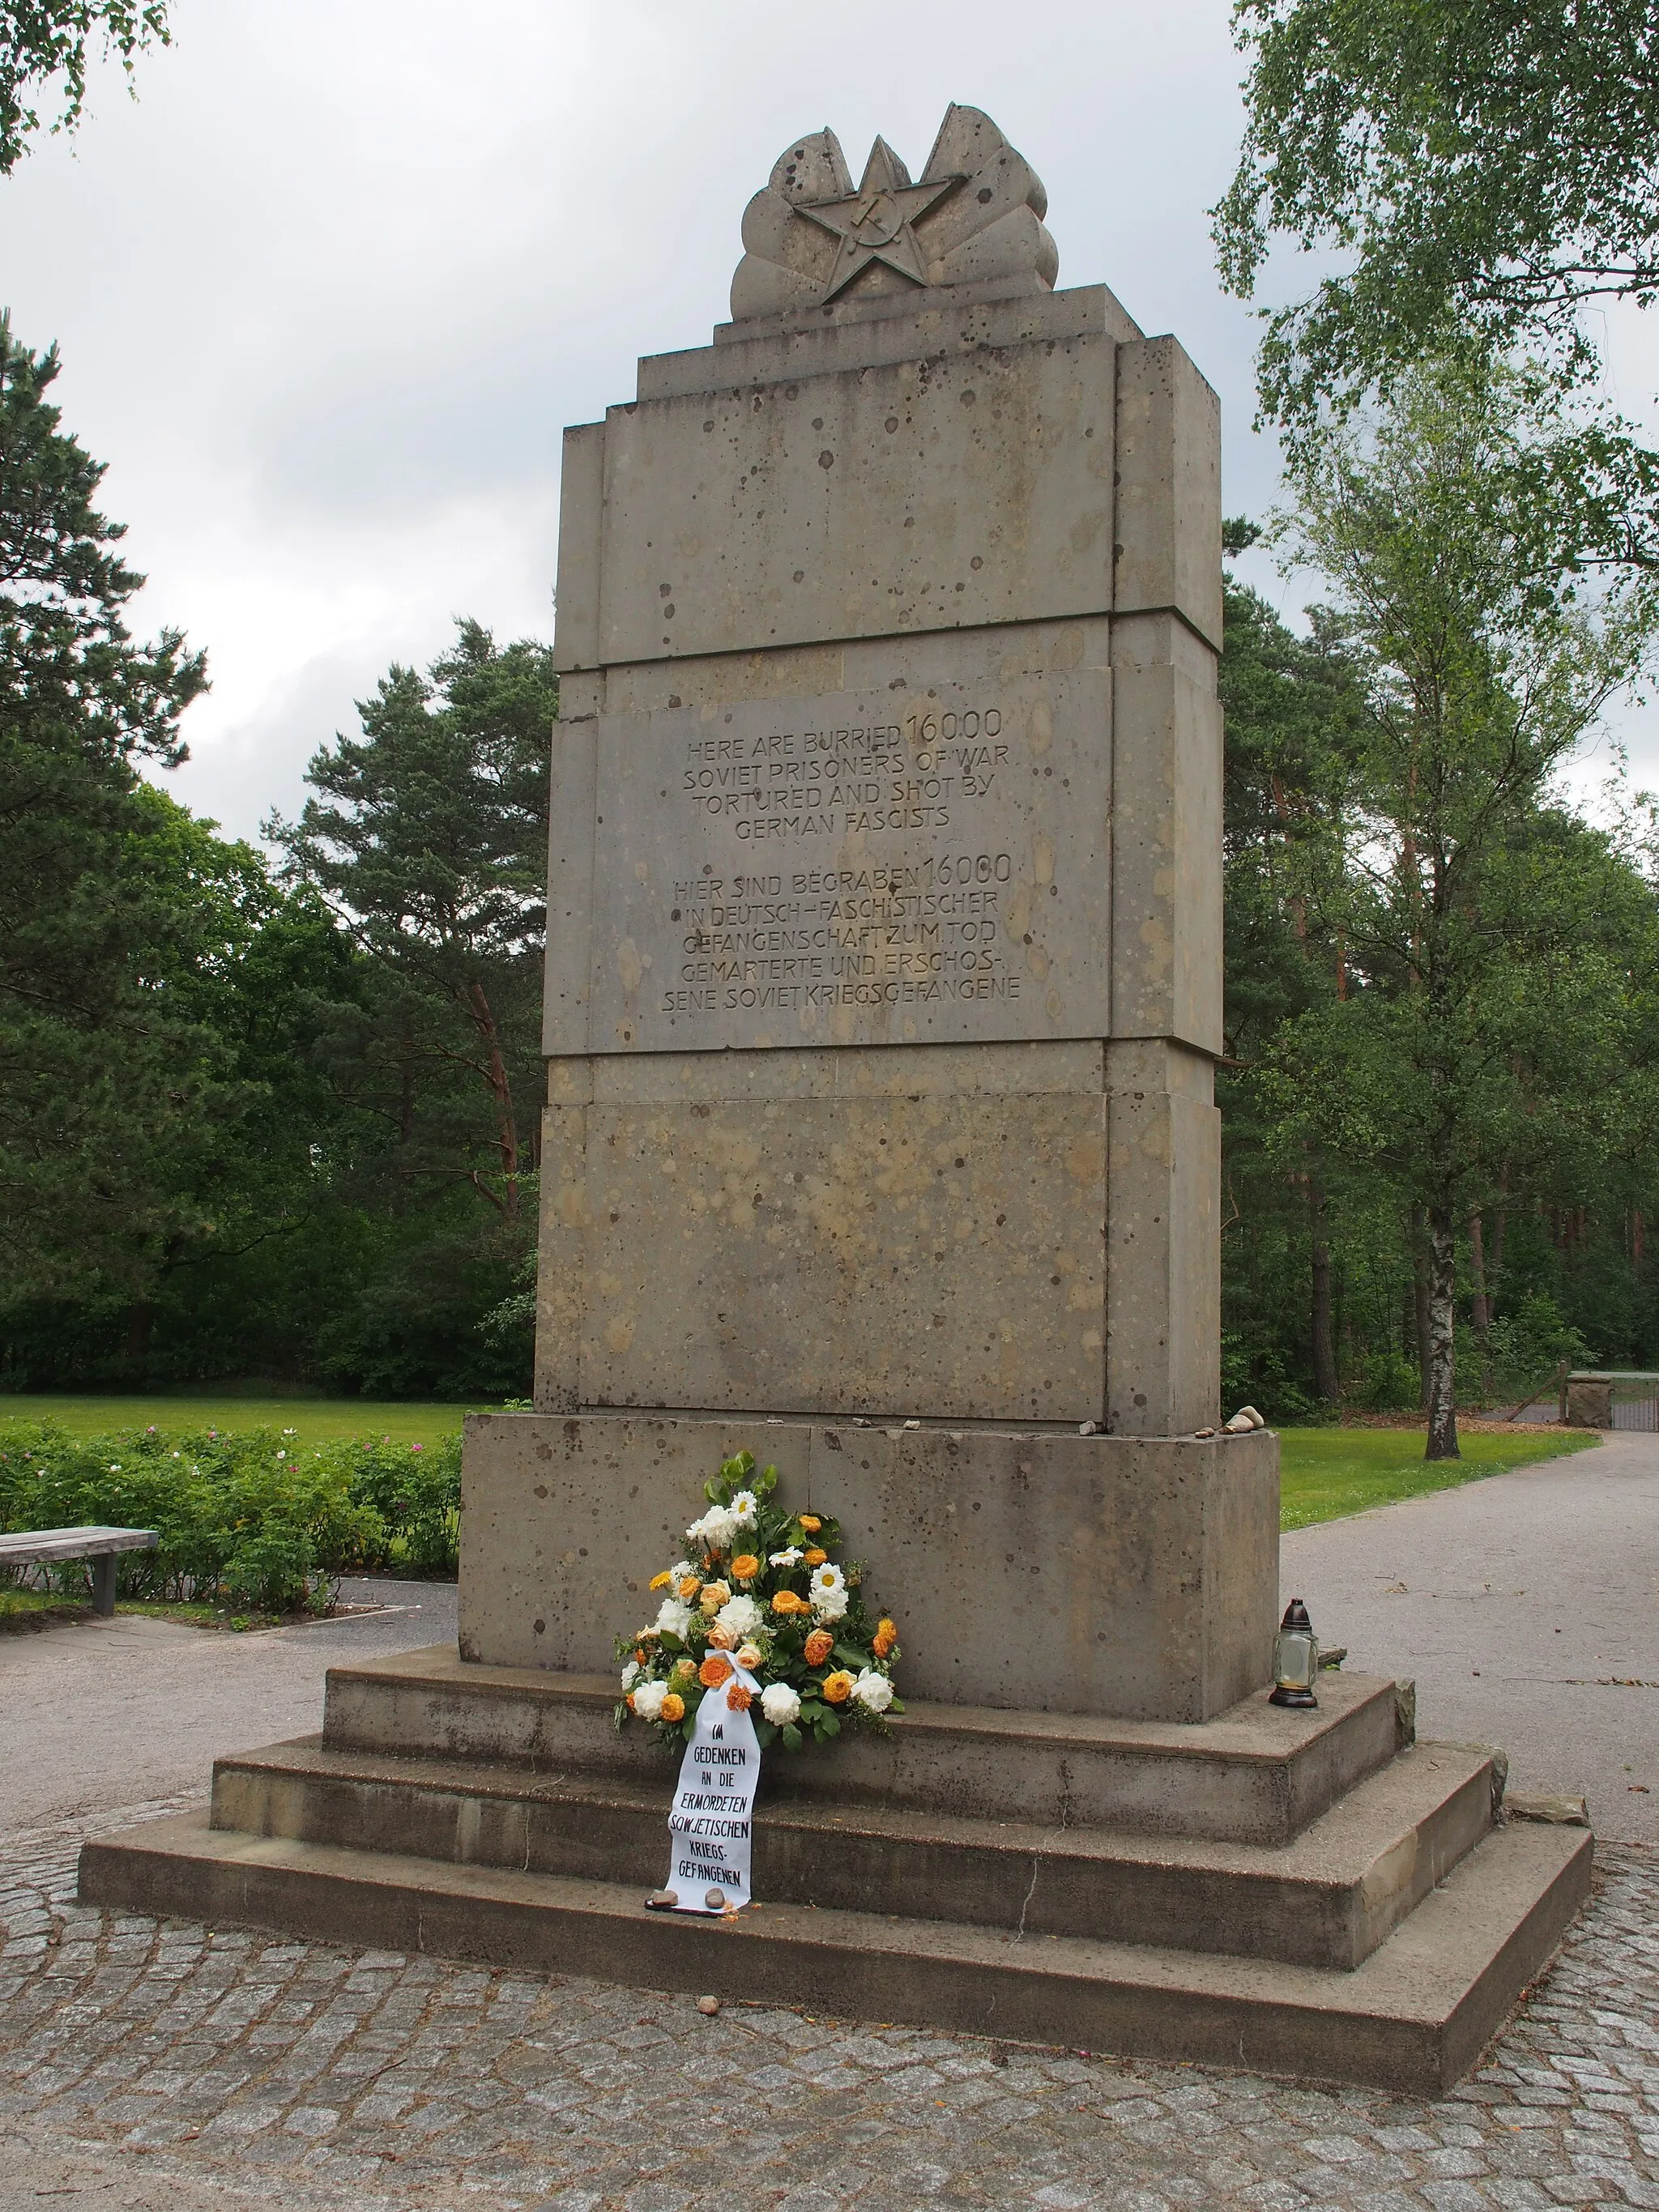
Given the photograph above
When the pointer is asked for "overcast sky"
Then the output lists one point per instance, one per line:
(329, 291)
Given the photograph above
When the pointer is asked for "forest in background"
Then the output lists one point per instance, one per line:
(276, 1113)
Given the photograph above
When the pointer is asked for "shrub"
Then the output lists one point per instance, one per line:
(252, 1519)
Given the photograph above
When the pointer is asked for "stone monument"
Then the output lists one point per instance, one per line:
(883, 992)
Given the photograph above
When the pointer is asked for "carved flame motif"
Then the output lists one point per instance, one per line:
(974, 217)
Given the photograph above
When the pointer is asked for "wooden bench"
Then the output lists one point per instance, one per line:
(39, 1547)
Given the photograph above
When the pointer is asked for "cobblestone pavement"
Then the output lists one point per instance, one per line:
(154, 2063)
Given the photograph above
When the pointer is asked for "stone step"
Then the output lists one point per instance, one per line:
(1326, 1899)
(1413, 2017)
(1259, 1773)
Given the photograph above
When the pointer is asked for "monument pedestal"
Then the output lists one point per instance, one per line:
(1034, 1569)
(1296, 1892)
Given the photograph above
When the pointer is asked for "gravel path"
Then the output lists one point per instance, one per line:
(101, 1714)
(1527, 1606)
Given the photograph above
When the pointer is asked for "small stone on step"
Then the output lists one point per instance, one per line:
(709, 2006)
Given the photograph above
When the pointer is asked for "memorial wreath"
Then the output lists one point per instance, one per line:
(759, 1598)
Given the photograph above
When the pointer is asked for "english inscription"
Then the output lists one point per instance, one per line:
(861, 868)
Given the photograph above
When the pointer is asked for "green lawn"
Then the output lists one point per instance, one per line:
(315, 1419)
(1326, 1474)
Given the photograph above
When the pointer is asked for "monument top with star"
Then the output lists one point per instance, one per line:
(817, 247)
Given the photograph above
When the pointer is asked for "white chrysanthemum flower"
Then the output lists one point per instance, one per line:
(674, 1618)
(631, 1674)
(680, 1570)
(715, 1529)
(829, 1605)
(873, 1691)
(829, 1592)
(745, 1508)
(780, 1704)
(647, 1700)
(741, 1616)
(785, 1558)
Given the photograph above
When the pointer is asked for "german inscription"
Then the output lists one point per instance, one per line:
(882, 867)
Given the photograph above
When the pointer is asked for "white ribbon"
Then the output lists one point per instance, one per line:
(711, 1823)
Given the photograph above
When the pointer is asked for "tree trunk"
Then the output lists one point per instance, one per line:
(1420, 1303)
(1500, 1222)
(1481, 1304)
(140, 1321)
(1326, 1385)
(1636, 1251)
(1442, 1375)
(501, 1090)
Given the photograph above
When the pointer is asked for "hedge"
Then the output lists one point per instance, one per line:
(249, 1519)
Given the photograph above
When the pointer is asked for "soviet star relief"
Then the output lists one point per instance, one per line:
(874, 223)
(971, 224)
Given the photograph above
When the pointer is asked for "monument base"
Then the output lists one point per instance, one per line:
(1032, 1569)
(1306, 1893)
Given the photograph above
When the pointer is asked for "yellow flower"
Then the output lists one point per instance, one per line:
(689, 1588)
(673, 1707)
(886, 1637)
(745, 1567)
(661, 1581)
(837, 1687)
(815, 1557)
(811, 1524)
(786, 1602)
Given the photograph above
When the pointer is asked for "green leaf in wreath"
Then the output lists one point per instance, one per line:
(792, 1738)
(764, 1732)
(850, 1655)
(828, 1725)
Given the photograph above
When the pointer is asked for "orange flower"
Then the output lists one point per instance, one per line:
(673, 1707)
(837, 1687)
(745, 1567)
(787, 1601)
(815, 1557)
(661, 1581)
(819, 1644)
(886, 1637)
(738, 1698)
(628, 1701)
(713, 1671)
(689, 1588)
(811, 1524)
